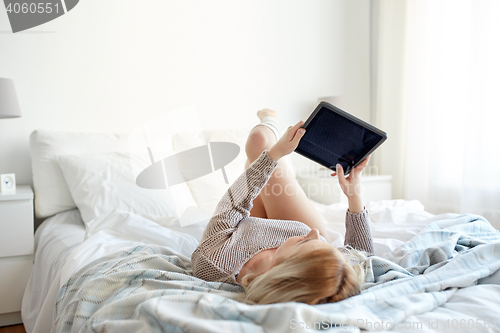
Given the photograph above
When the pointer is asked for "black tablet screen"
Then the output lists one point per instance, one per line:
(331, 138)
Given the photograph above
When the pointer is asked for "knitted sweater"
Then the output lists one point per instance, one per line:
(232, 237)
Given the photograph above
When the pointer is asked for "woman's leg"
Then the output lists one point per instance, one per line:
(282, 198)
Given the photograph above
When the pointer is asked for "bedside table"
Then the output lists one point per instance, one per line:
(16, 251)
(325, 189)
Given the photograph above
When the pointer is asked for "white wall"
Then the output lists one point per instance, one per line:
(107, 66)
(357, 75)
(388, 107)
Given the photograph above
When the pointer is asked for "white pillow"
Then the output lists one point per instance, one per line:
(52, 195)
(100, 183)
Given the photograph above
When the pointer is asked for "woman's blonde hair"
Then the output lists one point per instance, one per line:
(313, 277)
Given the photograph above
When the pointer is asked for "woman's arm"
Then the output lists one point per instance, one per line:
(358, 232)
(351, 186)
(236, 203)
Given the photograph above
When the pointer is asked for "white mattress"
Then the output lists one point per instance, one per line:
(59, 252)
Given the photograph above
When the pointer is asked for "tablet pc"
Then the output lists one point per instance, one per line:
(335, 136)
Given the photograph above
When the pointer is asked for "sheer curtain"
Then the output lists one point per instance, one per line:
(452, 75)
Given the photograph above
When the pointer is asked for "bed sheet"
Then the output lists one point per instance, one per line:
(54, 240)
(148, 287)
(60, 252)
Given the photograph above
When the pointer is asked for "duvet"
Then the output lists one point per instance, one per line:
(147, 285)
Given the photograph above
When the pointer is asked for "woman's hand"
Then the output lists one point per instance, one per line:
(350, 185)
(288, 142)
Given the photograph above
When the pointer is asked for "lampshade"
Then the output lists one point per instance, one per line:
(9, 107)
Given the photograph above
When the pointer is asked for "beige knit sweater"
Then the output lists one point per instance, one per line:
(232, 237)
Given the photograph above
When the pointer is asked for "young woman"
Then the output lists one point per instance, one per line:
(255, 238)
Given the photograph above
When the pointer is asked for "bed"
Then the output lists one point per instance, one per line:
(113, 257)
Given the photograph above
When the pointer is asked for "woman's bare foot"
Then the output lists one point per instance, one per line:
(266, 112)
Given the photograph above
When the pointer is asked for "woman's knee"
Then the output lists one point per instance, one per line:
(258, 140)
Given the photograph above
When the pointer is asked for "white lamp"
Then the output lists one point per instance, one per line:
(9, 108)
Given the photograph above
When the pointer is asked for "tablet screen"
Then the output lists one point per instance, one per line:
(332, 138)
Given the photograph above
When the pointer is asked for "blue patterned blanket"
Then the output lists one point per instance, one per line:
(149, 288)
